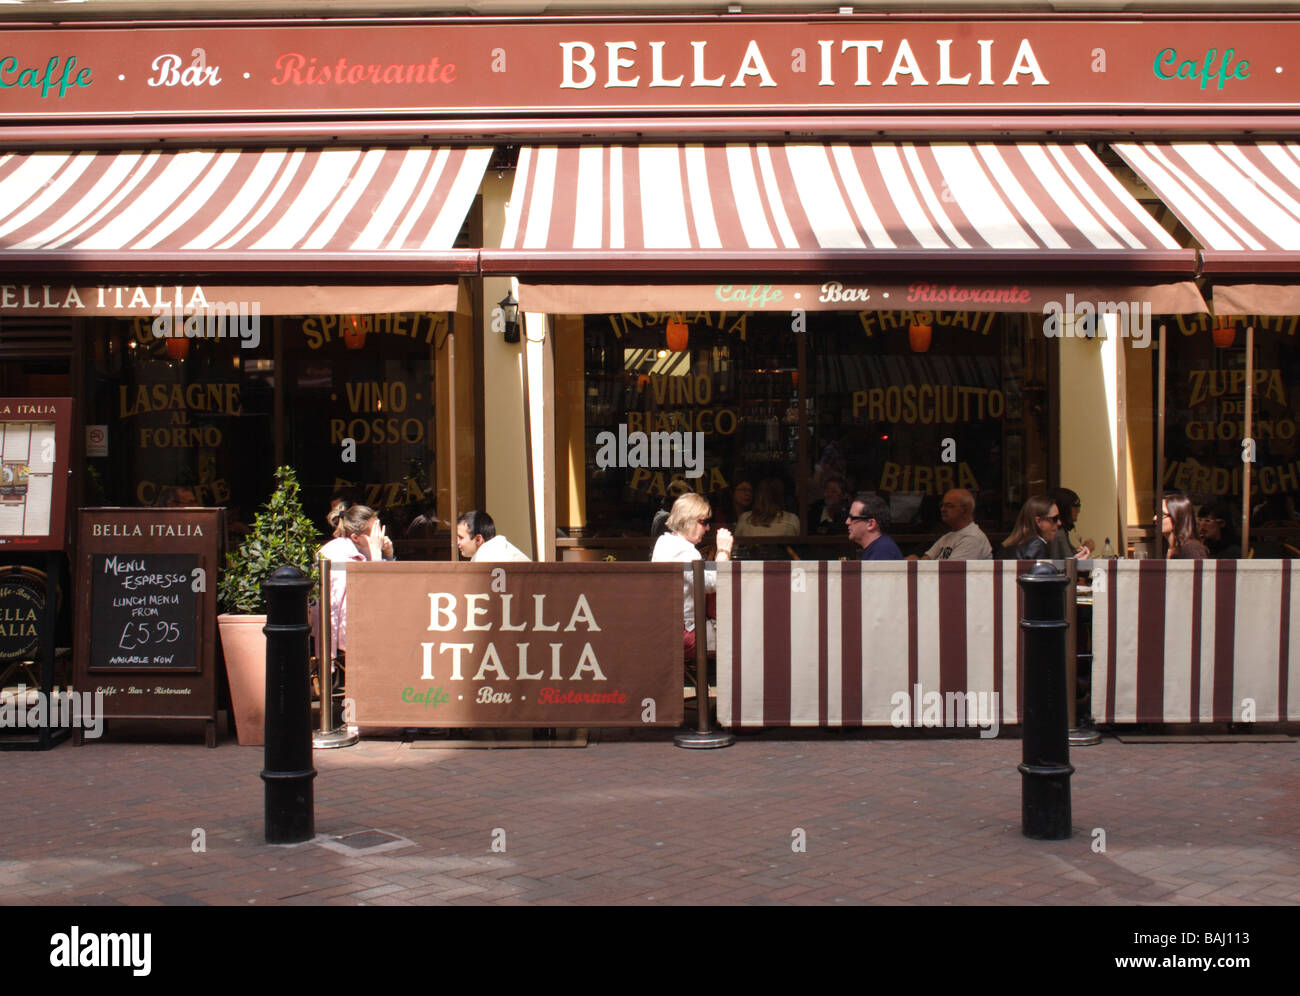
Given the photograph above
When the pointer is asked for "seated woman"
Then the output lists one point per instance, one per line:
(688, 521)
(1062, 546)
(768, 516)
(1035, 529)
(1178, 523)
(361, 537)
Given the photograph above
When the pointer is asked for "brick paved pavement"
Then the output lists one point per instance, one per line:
(631, 819)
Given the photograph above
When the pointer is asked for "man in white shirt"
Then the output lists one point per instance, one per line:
(964, 539)
(476, 536)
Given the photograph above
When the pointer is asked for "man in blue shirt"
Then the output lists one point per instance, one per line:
(869, 523)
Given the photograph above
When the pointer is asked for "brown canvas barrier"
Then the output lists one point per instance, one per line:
(542, 645)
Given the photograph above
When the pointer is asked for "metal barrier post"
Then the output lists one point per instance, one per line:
(703, 738)
(327, 735)
(1082, 733)
(1045, 768)
(288, 774)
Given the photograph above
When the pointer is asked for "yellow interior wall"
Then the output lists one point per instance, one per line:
(1087, 429)
(1141, 432)
(570, 423)
(464, 345)
(505, 446)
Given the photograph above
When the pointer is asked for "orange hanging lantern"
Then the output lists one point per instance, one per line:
(919, 337)
(354, 332)
(677, 334)
(1223, 333)
(178, 347)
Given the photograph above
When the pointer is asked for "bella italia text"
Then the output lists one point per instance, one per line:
(487, 612)
(866, 62)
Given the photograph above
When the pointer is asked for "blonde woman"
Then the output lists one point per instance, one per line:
(688, 521)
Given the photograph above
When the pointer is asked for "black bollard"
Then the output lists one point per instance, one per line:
(1045, 769)
(290, 816)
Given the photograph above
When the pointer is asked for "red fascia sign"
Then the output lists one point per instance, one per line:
(552, 66)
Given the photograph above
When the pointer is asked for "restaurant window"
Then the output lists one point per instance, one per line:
(1205, 424)
(360, 413)
(177, 420)
(196, 418)
(890, 413)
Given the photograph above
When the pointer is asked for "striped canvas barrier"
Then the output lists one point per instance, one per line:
(835, 643)
(1191, 641)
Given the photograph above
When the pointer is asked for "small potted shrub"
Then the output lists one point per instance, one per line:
(281, 535)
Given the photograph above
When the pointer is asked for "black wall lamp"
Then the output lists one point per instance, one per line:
(510, 314)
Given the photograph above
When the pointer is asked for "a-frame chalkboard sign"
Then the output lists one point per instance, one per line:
(147, 612)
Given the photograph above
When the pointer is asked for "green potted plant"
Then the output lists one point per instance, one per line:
(281, 535)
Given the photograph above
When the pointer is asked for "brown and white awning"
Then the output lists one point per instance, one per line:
(354, 213)
(876, 221)
(1241, 202)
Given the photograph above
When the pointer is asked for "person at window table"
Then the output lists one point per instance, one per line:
(478, 540)
(339, 504)
(1036, 529)
(1178, 523)
(768, 517)
(826, 517)
(869, 521)
(1062, 547)
(361, 538)
(1216, 527)
(688, 521)
(964, 539)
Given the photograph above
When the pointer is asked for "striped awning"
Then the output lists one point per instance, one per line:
(1241, 202)
(354, 212)
(1002, 213)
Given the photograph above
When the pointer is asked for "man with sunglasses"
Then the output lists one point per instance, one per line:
(869, 523)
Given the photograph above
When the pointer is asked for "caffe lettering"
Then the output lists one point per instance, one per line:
(57, 72)
(1210, 68)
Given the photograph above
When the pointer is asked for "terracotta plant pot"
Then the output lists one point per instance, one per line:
(244, 646)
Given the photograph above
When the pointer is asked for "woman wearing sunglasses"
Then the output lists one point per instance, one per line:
(1035, 529)
(687, 523)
